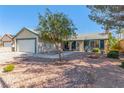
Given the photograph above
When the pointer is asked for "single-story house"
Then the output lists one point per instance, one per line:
(27, 40)
(6, 40)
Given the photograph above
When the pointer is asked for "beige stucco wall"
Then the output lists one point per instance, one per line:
(106, 47)
(46, 47)
(121, 45)
(26, 34)
(81, 46)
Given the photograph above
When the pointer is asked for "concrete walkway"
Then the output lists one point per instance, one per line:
(52, 56)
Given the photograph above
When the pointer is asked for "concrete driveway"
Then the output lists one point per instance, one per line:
(8, 56)
(5, 49)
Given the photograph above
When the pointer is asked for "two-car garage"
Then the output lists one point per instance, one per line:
(26, 45)
(26, 41)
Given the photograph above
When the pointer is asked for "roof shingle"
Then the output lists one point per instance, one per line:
(91, 36)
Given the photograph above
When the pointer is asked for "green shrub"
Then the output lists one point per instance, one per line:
(122, 64)
(113, 54)
(9, 68)
(96, 50)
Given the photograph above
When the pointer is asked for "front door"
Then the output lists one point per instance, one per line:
(101, 44)
(74, 45)
(66, 46)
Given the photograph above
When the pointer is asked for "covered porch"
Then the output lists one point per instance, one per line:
(84, 45)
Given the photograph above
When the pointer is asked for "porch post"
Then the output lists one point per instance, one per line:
(77, 45)
(99, 44)
(70, 45)
(106, 46)
(81, 46)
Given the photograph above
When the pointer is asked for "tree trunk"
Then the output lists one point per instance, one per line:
(59, 52)
(60, 56)
(120, 36)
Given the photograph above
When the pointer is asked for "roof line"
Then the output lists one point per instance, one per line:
(27, 30)
(6, 35)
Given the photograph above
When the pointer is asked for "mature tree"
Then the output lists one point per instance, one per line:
(55, 28)
(109, 16)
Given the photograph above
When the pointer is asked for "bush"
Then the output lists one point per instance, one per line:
(9, 68)
(113, 54)
(96, 50)
(116, 46)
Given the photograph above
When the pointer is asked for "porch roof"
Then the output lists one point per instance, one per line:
(91, 36)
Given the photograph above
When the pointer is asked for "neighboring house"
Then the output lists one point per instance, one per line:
(28, 40)
(7, 40)
(0, 42)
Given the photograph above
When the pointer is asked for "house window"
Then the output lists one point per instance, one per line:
(94, 44)
(90, 44)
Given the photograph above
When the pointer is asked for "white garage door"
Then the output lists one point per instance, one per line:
(26, 45)
(7, 44)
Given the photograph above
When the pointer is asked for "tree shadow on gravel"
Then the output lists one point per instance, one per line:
(76, 77)
(3, 83)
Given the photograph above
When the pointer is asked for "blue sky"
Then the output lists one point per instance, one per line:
(13, 18)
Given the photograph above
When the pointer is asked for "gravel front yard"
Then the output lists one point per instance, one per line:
(76, 70)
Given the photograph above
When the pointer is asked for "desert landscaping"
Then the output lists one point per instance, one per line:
(75, 70)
